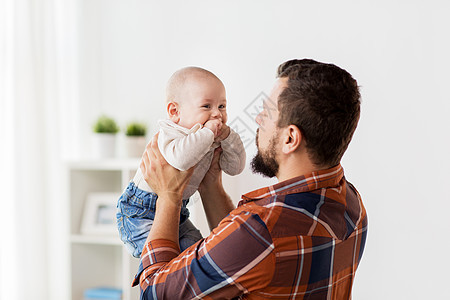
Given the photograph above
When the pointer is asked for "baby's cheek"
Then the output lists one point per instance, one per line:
(224, 118)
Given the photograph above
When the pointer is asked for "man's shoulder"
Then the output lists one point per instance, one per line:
(315, 212)
(297, 201)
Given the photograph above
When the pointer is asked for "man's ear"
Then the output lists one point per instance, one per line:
(292, 139)
(173, 112)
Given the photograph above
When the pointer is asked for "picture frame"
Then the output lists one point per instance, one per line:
(99, 215)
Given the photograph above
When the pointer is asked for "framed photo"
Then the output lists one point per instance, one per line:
(99, 216)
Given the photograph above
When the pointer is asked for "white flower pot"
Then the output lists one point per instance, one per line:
(135, 146)
(104, 145)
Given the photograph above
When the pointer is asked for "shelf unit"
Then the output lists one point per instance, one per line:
(98, 260)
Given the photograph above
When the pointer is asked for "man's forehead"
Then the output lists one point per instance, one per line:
(279, 86)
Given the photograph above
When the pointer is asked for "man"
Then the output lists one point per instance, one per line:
(301, 238)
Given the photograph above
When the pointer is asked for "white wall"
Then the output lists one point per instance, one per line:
(398, 52)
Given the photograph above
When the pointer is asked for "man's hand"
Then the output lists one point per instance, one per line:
(216, 202)
(166, 181)
(213, 176)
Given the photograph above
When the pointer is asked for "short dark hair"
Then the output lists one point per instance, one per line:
(323, 101)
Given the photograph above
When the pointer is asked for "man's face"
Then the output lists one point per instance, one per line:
(265, 161)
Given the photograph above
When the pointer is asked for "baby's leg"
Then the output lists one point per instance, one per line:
(135, 214)
(189, 235)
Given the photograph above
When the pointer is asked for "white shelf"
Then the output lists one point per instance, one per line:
(95, 239)
(98, 260)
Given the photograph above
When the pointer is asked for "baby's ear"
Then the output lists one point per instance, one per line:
(173, 112)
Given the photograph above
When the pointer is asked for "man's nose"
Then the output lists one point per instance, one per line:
(258, 119)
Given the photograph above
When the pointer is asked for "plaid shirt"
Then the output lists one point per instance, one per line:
(302, 238)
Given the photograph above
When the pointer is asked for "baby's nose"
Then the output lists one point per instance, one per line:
(216, 113)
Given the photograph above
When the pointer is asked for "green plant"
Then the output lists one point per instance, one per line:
(136, 129)
(105, 124)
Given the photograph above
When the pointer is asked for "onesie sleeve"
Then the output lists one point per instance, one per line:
(232, 160)
(184, 151)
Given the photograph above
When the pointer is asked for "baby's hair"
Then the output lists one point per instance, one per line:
(179, 78)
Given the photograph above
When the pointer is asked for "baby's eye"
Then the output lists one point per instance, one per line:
(206, 106)
(222, 106)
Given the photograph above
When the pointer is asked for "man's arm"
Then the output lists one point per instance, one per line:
(216, 202)
(236, 258)
(168, 183)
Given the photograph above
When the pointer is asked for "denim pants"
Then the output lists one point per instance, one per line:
(135, 215)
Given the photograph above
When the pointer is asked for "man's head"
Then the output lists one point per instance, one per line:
(195, 95)
(315, 108)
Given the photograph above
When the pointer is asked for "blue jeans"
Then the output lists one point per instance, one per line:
(135, 215)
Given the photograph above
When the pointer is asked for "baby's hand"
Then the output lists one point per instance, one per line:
(223, 133)
(215, 126)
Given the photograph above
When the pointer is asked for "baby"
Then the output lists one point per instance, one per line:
(196, 125)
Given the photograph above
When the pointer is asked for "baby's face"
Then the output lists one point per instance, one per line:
(202, 100)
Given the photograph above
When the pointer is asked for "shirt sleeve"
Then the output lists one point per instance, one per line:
(235, 259)
(232, 159)
(185, 151)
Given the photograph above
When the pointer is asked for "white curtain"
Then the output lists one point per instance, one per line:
(38, 130)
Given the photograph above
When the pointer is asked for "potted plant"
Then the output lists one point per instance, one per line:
(104, 138)
(135, 139)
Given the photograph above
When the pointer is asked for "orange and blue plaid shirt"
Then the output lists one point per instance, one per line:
(302, 238)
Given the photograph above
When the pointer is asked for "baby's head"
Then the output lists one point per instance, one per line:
(195, 95)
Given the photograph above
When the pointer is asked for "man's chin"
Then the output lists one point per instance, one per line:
(259, 166)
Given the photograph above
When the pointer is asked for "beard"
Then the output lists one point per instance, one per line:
(265, 162)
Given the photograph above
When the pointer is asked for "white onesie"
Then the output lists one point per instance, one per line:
(184, 148)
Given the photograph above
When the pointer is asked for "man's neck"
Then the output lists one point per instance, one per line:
(294, 167)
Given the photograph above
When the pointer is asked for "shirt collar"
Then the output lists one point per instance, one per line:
(304, 183)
